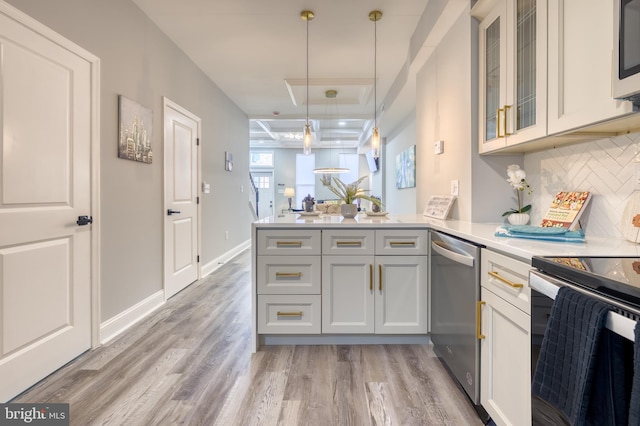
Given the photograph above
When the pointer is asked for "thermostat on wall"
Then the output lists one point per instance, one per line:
(439, 206)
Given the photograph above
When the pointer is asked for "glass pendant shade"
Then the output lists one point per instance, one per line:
(375, 143)
(306, 140)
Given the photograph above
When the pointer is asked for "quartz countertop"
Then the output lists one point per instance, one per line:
(479, 233)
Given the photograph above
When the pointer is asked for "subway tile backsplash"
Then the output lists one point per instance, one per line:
(605, 167)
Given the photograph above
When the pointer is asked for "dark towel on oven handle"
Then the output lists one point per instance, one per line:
(634, 403)
(566, 363)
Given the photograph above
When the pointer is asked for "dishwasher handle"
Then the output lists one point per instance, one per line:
(439, 248)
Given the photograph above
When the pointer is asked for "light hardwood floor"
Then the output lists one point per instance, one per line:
(190, 363)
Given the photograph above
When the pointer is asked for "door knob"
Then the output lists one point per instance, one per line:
(84, 220)
(170, 212)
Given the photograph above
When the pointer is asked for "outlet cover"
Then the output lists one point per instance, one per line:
(438, 147)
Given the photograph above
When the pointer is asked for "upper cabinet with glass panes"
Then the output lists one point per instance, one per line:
(545, 74)
(512, 71)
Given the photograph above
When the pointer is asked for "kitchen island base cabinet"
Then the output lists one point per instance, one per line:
(374, 294)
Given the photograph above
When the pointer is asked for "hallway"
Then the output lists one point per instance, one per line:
(190, 363)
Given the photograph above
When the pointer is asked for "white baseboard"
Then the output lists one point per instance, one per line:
(116, 325)
(209, 267)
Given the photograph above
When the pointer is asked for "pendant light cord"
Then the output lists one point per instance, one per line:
(307, 72)
(375, 73)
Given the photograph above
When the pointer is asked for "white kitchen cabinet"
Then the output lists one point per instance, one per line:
(580, 65)
(401, 295)
(512, 72)
(381, 294)
(505, 348)
(288, 283)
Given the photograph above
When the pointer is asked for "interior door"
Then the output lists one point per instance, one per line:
(264, 183)
(181, 135)
(45, 185)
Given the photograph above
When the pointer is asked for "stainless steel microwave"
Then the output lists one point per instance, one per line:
(626, 78)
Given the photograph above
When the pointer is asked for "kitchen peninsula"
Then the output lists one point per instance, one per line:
(295, 258)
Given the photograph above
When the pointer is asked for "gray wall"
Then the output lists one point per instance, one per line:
(140, 62)
(399, 200)
(446, 109)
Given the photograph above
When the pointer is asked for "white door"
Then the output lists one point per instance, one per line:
(45, 185)
(264, 183)
(181, 136)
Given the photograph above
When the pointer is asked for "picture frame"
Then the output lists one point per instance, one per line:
(135, 124)
(406, 168)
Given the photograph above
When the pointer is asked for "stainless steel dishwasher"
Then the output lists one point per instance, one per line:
(455, 291)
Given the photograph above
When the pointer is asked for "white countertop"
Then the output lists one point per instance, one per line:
(480, 233)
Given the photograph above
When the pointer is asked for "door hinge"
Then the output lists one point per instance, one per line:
(198, 141)
(198, 258)
(197, 200)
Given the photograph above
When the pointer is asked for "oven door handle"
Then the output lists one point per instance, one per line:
(615, 322)
(451, 255)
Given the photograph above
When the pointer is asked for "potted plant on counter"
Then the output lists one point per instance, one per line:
(348, 193)
(517, 179)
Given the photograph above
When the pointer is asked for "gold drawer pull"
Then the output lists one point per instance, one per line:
(349, 243)
(402, 243)
(289, 243)
(479, 334)
(504, 280)
(289, 314)
(288, 274)
(370, 277)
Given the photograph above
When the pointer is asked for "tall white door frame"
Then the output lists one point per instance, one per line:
(181, 197)
(25, 363)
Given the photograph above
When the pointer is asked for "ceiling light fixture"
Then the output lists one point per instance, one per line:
(331, 95)
(375, 16)
(307, 16)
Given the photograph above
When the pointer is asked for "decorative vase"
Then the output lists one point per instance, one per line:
(349, 211)
(518, 218)
(308, 206)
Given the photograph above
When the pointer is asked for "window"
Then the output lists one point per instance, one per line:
(261, 159)
(305, 178)
(262, 182)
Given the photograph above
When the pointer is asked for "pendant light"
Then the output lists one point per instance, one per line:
(375, 16)
(331, 95)
(307, 16)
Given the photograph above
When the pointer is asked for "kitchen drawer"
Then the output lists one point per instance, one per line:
(348, 241)
(289, 314)
(411, 242)
(288, 242)
(289, 274)
(507, 278)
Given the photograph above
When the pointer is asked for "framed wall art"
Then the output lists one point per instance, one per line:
(135, 124)
(406, 168)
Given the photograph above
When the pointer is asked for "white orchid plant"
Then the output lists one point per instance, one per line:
(518, 180)
(348, 192)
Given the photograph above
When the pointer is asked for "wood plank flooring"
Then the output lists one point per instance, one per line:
(190, 364)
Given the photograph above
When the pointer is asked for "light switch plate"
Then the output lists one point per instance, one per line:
(438, 147)
(454, 187)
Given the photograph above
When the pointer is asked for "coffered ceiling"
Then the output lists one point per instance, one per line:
(255, 51)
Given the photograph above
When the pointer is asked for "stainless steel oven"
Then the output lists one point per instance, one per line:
(615, 281)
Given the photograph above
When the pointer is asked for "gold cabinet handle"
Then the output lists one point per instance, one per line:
(479, 334)
(370, 277)
(289, 314)
(504, 280)
(498, 111)
(289, 243)
(380, 277)
(504, 122)
(288, 274)
(349, 243)
(402, 243)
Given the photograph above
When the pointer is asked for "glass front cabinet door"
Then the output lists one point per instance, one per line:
(512, 72)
